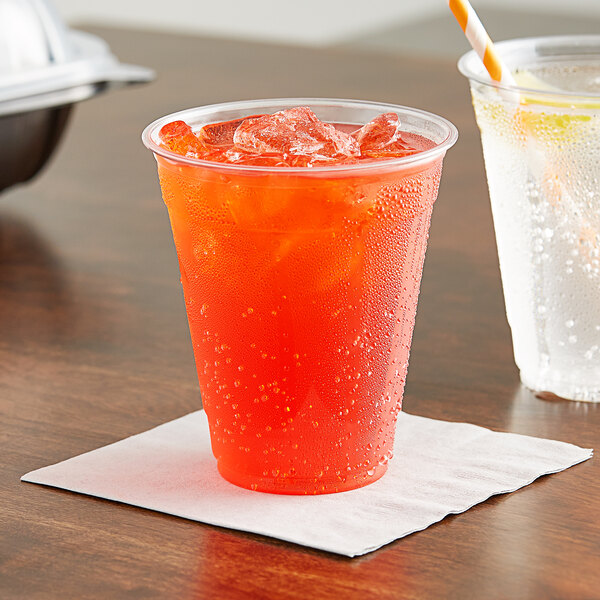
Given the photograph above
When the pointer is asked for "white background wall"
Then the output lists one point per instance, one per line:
(310, 22)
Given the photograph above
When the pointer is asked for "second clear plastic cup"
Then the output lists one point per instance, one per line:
(541, 144)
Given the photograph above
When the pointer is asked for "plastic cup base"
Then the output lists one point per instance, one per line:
(301, 486)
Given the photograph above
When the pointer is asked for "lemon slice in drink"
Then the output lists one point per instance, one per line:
(549, 119)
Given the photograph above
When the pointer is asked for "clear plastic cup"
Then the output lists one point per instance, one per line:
(541, 145)
(301, 288)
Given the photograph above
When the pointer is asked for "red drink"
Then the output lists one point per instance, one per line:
(301, 288)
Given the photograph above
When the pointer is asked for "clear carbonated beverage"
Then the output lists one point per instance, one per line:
(542, 154)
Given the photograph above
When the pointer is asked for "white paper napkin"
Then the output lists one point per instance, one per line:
(439, 468)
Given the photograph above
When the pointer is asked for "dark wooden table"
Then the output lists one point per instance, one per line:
(94, 347)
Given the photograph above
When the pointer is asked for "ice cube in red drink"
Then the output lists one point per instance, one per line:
(382, 138)
(220, 135)
(297, 135)
(179, 137)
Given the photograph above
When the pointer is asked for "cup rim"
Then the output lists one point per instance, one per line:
(470, 65)
(391, 163)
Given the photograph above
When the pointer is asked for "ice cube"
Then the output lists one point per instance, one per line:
(179, 137)
(297, 135)
(220, 135)
(382, 138)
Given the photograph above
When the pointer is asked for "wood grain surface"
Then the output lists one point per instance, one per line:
(94, 347)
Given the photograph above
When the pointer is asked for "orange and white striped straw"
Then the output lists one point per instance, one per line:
(480, 41)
